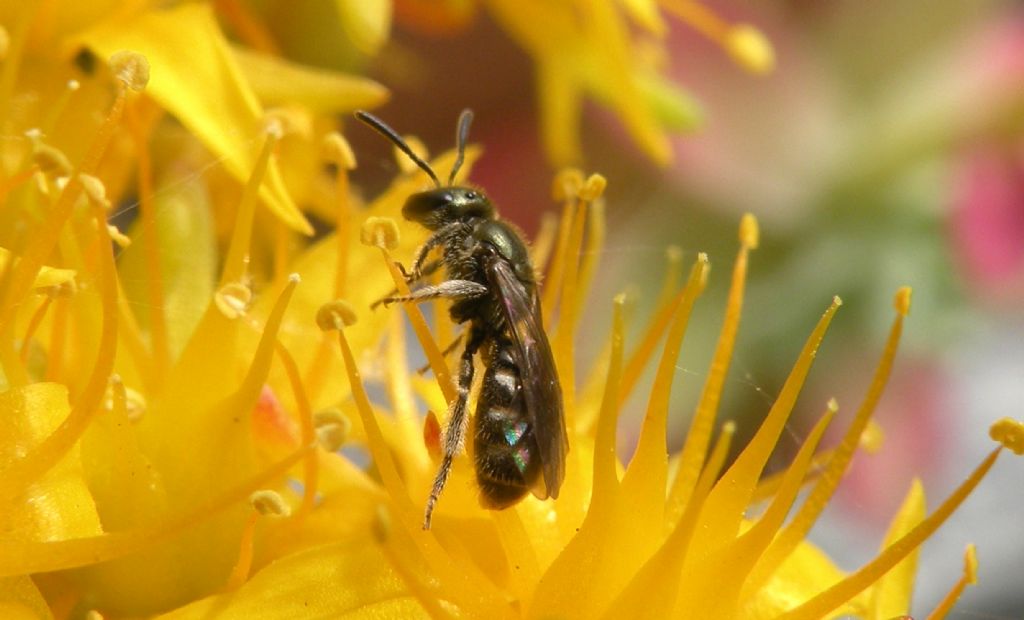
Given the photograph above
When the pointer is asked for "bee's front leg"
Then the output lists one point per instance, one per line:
(449, 289)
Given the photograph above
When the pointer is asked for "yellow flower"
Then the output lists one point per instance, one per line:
(172, 417)
(612, 52)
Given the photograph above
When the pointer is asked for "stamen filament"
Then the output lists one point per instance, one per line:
(311, 467)
(596, 231)
(656, 326)
(33, 325)
(240, 572)
(426, 339)
(565, 334)
(23, 472)
(544, 242)
(968, 578)
(553, 281)
(42, 242)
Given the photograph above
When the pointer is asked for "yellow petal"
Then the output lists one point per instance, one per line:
(197, 436)
(891, 594)
(805, 572)
(277, 81)
(58, 505)
(20, 600)
(646, 14)
(188, 258)
(195, 77)
(366, 23)
(47, 276)
(342, 580)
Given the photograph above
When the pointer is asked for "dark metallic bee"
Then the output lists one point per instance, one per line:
(519, 438)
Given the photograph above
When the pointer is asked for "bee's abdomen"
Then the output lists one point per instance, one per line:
(506, 451)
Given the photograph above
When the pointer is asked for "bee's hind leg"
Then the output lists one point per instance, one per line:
(457, 420)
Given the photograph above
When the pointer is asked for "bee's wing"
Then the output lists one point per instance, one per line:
(541, 390)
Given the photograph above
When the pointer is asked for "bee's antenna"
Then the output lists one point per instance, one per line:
(380, 127)
(465, 120)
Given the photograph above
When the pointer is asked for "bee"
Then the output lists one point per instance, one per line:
(519, 435)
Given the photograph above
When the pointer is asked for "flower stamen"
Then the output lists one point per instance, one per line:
(829, 480)
(311, 468)
(969, 578)
(698, 437)
(747, 45)
(565, 189)
(337, 151)
(732, 493)
(820, 605)
(656, 326)
(383, 233)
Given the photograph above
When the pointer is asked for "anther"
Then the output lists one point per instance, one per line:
(971, 565)
(332, 437)
(131, 68)
(381, 232)
(273, 127)
(337, 150)
(566, 184)
(1010, 433)
(872, 438)
(332, 428)
(291, 120)
(269, 503)
(593, 187)
(902, 300)
(750, 233)
(331, 415)
(334, 315)
(750, 48)
(94, 190)
(51, 161)
(122, 240)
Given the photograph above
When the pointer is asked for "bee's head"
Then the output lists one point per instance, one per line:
(445, 203)
(436, 207)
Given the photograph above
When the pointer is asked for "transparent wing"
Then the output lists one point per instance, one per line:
(541, 389)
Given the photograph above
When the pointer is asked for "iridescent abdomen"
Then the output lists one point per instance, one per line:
(507, 465)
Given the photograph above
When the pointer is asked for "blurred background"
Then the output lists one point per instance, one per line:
(883, 146)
